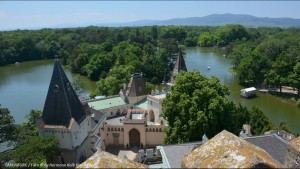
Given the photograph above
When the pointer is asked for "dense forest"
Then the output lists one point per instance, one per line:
(109, 55)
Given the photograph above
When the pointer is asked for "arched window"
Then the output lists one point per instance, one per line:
(151, 115)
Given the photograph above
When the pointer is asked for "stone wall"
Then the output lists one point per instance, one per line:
(293, 154)
(226, 150)
(102, 159)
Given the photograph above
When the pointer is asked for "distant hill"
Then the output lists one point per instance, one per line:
(218, 20)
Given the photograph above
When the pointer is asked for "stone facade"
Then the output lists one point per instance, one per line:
(133, 111)
(293, 154)
(116, 131)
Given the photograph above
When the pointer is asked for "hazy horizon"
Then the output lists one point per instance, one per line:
(49, 14)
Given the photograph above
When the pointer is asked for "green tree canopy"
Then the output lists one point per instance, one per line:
(259, 122)
(37, 150)
(230, 33)
(198, 105)
(7, 126)
(28, 129)
(206, 40)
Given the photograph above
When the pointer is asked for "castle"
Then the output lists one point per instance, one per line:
(225, 150)
(134, 119)
(131, 119)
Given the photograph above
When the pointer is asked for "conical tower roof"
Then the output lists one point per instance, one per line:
(62, 103)
(179, 66)
(137, 86)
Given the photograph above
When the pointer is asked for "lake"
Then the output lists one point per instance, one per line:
(24, 87)
(276, 109)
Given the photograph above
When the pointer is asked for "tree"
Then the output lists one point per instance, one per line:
(230, 33)
(245, 71)
(190, 41)
(37, 150)
(206, 40)
(28, 129)
(199, 105)
(174, 32)
(109, 86)
(278, 74)
(7, 126)
(98, 65)
(259, 122)
(295, 78)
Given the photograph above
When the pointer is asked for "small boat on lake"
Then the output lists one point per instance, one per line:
(248, 92)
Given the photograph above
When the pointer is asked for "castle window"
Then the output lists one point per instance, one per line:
(150, 130)
(55, 88)
(122, 129)
(160, 130)
(108, 129)
(62, 135)
(146, 129)
(118, 129)
(156, 129)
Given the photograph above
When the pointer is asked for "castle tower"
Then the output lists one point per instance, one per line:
(62, 103)
(179, 66)
(136, 90)
(64, 116)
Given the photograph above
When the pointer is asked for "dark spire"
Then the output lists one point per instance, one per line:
(61, 103)
(179, 66)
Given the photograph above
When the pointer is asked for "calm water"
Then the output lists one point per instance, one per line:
(277, 110)
(24, 87)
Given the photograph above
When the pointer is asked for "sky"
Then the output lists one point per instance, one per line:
(41, 14)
